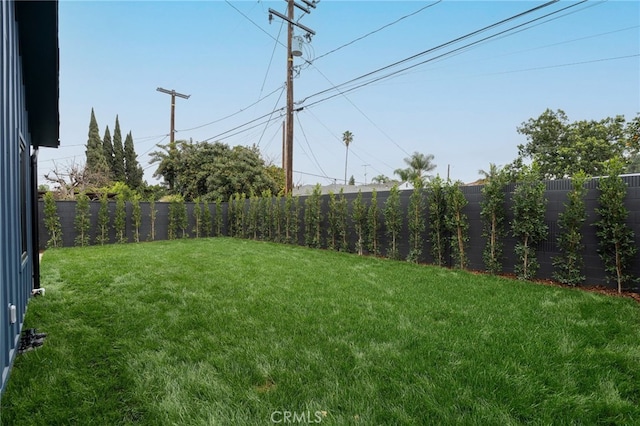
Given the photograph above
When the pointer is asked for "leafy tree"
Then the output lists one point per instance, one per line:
(569, 263)
(373, 225)
(437, 205)
(313, 218)
(416, 223)
(342, 217)
(178, 220)
(118, 171)
(616, 241)
(419, 167)
(359, 217)
(561, 149)
(332, 218)
(136, 217)
(152, 218)
(52, 221)
(82, 220)
(291, 214)
(253, 216)
(352, 181)
(347, 138)
(393, 221)
(493, 216)
(103, 220)
(96, 164)
(266, 216)
(206, 220)
(132, 170)
(218, 227)
(197, 218)
(212, 170)
(120, 223)
(457, 223)
(528, 224)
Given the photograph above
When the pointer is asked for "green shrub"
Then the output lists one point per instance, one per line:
(82, 220)
(136, 217)
(152, 218)
(102, 237)
(373, 225)
(359, 218)
(52, 221)
(457, 224)
(570, 261)
(313, 218)
(616, 241)
(528, 224)
(393, 221)
(493, 219)
(437, 205)
(120, 220)
(416, 223)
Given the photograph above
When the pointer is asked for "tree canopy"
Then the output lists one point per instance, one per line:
(215, 170)
(561, 148)
(419, 167)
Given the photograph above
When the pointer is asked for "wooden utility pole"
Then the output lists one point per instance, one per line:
(173, 94)
(288, 186)
(287, 159)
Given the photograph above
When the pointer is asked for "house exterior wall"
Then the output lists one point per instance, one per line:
(16, 260)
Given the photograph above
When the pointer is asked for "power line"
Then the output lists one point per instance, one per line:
(309, 145)
(377, 30)
(272, 112)
(430, 50)
(393, 73)
(233, 114)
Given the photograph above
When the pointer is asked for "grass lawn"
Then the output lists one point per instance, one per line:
(227, 331)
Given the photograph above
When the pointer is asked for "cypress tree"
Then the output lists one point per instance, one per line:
(132, 170)
(393, 221)
(107, 149)
(118, 154)
(96, 162)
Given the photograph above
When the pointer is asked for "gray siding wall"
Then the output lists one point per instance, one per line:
(16, 268)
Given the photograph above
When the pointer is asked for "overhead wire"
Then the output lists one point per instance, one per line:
(440, 46)
(377, 30)
(309, 145)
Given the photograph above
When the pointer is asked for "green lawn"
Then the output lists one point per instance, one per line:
(227, 331)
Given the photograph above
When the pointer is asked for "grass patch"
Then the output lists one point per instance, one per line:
(227, 331)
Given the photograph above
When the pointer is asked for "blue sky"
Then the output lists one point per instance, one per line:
(463, 107)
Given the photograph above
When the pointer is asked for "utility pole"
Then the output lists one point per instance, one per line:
(173, 94)
(172, 132)
(365, 172)
(288, 143)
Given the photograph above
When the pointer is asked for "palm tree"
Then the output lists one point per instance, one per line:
(347, 138)
(419, 165)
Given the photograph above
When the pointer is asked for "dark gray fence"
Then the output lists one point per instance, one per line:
(556, 193)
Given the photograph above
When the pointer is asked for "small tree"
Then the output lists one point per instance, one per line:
(291, 212)
(528, 224)
(570, 262)
(332, 218)
(206, 220)
(266, 216)
(373, 225)
(437, 204)
(120, 221)
(197, 218)
(278, 219)
(82, 220)
(493, 215)
(393, 221)
(219, 221)
(136, 217)
(457, 224)
(359, 217)
(152, 218)
(342, 216)
(177, 218)
(253, 216)
(52, 221)
(313, 218)
(103, 220)
(616, 241)
(416, 223)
